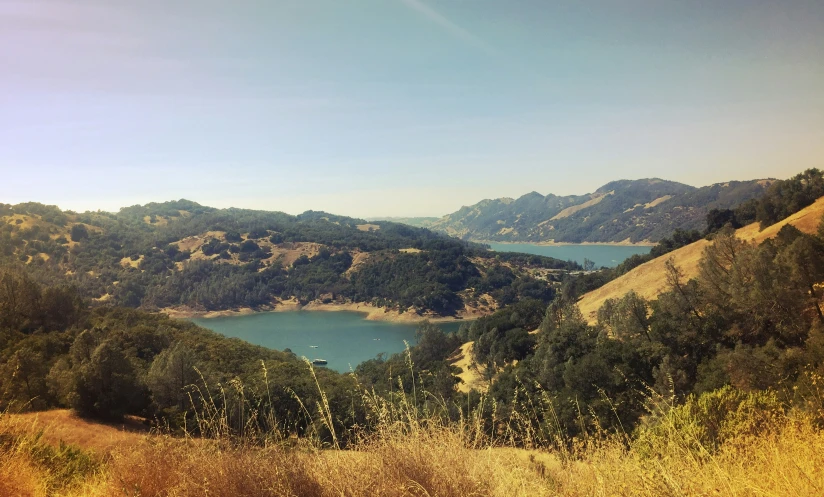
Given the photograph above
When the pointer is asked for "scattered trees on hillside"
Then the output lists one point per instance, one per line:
(751, 319)
(781, 200)
(429, 280)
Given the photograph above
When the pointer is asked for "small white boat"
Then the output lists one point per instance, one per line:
(319, 362)
(313, 346)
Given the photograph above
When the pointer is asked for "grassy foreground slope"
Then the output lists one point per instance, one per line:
(649, 280)
(421, 459)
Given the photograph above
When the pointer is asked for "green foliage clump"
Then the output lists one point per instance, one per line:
(703, 423)
(79, 232)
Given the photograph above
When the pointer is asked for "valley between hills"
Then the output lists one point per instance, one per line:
(694, 367)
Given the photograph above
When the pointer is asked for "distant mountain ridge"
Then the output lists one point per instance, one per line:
(644, 210)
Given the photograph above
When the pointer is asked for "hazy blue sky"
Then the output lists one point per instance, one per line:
(399, 107)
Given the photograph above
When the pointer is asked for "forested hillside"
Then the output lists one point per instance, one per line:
(636, 211)
(751, 318)
(182, 254)
(108, 362)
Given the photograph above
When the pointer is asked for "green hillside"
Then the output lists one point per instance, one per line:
(182, 254)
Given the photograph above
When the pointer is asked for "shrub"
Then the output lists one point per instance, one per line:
(702, 424)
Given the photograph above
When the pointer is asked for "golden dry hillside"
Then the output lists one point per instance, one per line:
(471, 375)
(648, 280)
(417, 459)
(64, 425)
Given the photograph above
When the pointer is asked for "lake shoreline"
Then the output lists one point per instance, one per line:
(371, 312)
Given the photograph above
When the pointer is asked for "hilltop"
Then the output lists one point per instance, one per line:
(639, 211)
(649, 279)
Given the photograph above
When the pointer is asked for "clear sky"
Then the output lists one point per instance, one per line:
(399, 107)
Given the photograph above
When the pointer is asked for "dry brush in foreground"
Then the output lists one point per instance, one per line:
(779, 455)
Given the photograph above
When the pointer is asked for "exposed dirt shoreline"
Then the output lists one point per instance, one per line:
(372, 312)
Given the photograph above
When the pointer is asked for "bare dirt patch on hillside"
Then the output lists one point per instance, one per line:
(474, 308)
(358, 259)
(657, 201)
(575, 208)
(193, 243)
(289, 252)
(472, 374)
(128, 262)
(368, 227)
(284, 254)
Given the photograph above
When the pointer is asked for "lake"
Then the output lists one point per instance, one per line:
(601, 255)
(344, 339)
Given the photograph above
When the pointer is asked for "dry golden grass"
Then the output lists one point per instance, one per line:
(288, 253)
(783, 462)
(159, 220)
(657, 201)
(128, 262)
(649, 280)
(19, 477)
(25, 221)
(63, 425)
(29, 466)
(358, 259)
(426, 463)
(786, 460)
(368, 227)
(284, 254)
(472, 375)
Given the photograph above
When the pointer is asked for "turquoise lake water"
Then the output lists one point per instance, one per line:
(344, 339)
(602, 255)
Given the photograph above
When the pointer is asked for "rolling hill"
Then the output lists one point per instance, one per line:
(644, 210)
(649, 280)
(185, 257)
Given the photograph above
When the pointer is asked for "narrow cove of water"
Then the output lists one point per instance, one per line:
(601, 255)
(343, 338)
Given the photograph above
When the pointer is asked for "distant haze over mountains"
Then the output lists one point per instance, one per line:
(632, 211)
(418, 222)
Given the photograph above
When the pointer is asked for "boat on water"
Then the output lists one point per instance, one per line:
(313, 346)
(319, 362)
